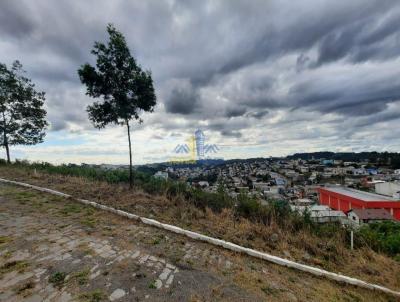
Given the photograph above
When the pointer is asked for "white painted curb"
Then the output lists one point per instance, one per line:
(225, 244)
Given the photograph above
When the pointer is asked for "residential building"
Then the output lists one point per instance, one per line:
(302, 202)
(388, 188)
(161, 175)
(325, 216)
(361, 216)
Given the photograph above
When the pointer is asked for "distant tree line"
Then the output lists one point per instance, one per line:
(390, 159)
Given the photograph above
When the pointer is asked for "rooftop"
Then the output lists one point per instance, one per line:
(365, 196)
(380, 214)
(327, 213)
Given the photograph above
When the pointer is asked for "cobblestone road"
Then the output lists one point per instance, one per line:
(53, 250)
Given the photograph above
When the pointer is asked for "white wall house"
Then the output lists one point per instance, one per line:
(326, 216)
(359, 217)
(161, 174)
(391, 189)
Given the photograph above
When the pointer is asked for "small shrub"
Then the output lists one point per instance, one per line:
(152, 285)
(214, 201)
(250, 208)
(155, 186)
(57, 279)
(381, 237)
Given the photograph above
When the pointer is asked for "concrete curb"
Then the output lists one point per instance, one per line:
(219, 242)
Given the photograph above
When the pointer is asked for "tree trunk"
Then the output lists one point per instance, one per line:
(8, 152)
(5, 140)
(130, 156)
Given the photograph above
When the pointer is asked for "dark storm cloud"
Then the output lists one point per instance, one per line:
(14, 21)
(235, 111)
(368, 38)
(217, 61)
(387, 116)
(183, 98)
(356, 94)
(313, 23)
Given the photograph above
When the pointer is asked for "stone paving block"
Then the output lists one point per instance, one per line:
(117, 294)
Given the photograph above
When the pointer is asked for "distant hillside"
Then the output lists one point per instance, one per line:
(198, 163)
(382, 158)
(389, 159)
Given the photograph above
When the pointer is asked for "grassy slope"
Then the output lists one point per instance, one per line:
(326, 253)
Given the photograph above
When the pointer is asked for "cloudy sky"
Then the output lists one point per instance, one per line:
(260, 78)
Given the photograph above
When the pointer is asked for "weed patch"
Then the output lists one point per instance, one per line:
(81, 277)
(57, 279)
(152, 285)
(93, 296)
(270, 290)
(71, 209)
(19, 266)
(89, 222)
(4, 240)
(86, 249)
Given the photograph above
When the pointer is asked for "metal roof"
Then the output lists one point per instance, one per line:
(327, 213)
(365, 196)
(319, 208)
(380, 214)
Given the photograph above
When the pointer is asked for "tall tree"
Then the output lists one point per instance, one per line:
(22, 116)
(126, 90)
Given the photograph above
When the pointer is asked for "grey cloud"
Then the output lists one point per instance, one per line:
(228, 64)
(257, 114)
(58, 124)
(230, 133)
(182, 98)
(386, 116)
(235, 111)
(303, 61)
(362, 40)
(229, 128)
(14, 21)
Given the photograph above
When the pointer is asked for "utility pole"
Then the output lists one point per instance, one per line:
(351, 239)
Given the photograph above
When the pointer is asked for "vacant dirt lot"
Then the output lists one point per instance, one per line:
(324, 252)
(52, 249)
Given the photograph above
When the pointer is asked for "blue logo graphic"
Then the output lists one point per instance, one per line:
(197, 146)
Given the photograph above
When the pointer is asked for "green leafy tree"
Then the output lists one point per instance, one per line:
(22, 116)
(126, 90)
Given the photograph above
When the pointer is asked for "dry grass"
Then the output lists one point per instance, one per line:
(327, 253)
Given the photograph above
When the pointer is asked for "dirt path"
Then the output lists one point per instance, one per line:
(52, 249)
